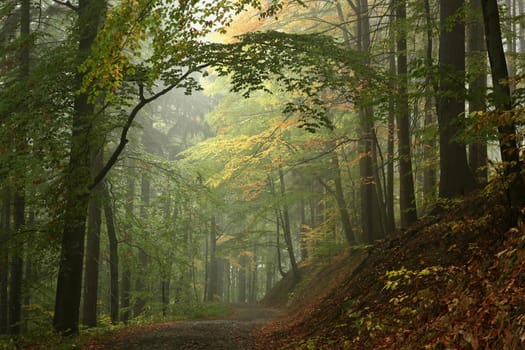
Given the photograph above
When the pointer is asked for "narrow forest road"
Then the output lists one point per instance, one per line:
(231, 333)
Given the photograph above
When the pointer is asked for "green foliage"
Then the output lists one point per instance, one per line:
(309, 65)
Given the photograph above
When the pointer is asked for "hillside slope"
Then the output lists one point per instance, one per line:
(455, 280)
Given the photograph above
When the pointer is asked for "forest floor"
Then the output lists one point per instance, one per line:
(454, 280)
(232, 333)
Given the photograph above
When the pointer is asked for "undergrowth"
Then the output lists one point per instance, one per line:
(455, 280)
(42, 336)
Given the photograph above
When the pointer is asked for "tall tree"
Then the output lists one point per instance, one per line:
(19, 202)
(429, 171)
(455, 176)
(77, 180)
(407, 198)
(213, 264)
(4, 256)
(89, 314)
(477, 56)
(113, 255)
(502, 100)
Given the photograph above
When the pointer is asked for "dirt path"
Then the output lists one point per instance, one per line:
(232, 333)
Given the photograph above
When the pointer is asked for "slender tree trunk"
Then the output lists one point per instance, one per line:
(17, 261)
(478, 159)
(16, 266)
(243, 262)
(113, 256)
(429, 170)
(89, 314)
(509, 149)
(253, 282)
(212, 265)
(339, 196)
(145, 191)
(389, 195)
(455, 176)
(125, 302)
(407, 199)
(287, 229)
(278, 241)
(303, 229)
(4, 256)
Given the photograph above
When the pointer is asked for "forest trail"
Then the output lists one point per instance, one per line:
(230, 333)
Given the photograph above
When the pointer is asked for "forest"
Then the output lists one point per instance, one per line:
(166, 159)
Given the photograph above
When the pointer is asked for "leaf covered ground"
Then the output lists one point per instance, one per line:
(455, 280)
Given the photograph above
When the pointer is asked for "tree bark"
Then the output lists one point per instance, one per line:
(212, 265)
(125, 300)
(77, 180)
(407, 198)
(478, 159)
(455, 176)
(389, 191)
(89, 314)
(285, 222)
(429, 170)
(17, 262)
(17, 265)
(509, 149)
(5, 223)
(113, 256)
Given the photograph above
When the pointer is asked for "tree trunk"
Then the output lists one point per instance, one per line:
(145, 193)
(89, 314)
(77, 180)
(16, 266)
(113, 256)
(455, 176)
(341, 202)
(125, 299)
(285, 222)
(17, 261)
(4, 256)
(389, 192)
(303, 229)
(429, 170)
(509, 149)
(243, 262)
(478, 159)
(407, 199)
(212, 265)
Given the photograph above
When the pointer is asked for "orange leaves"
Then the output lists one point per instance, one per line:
(253, 189)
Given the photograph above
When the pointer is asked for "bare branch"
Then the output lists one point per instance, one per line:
(124, 134)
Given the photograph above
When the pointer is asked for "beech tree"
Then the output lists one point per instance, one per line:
(455, 176)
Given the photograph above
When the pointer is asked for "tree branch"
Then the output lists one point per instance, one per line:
(66, 4)
(124, 134)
